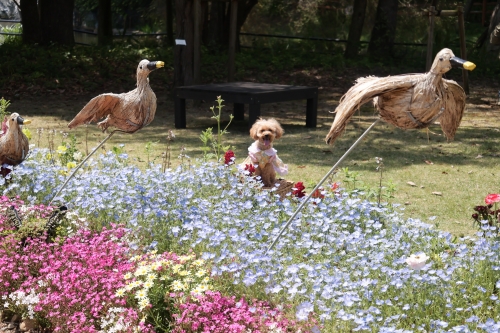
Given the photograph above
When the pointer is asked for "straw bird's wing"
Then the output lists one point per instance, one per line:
(362, 92)
(454, 109)
(96, 109)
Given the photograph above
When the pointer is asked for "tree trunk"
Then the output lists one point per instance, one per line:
(356, 28)
(104, 23)
(184, 54)
(56, 21)
(216, 36)
(244, 9)
(169, 22)
(218, 25)
(384, 30)
(30, 20)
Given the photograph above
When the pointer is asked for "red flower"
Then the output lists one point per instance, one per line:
(318, 194)
(250, 168)
(492, 198)
(228, 157)
(299, 190)
(334, 187)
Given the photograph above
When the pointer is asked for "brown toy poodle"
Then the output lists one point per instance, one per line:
(262, 154)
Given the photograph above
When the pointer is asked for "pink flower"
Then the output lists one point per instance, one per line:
(492, 198)
(216, 313)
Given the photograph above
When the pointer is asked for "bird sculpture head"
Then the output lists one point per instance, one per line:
(445, 60)
(15, 120)
(145, 67)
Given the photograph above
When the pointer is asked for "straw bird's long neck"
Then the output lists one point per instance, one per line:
(142, 83)
(12, 133)
(433, 79)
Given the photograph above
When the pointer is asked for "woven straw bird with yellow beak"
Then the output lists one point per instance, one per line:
(14, 145)
(409, 101)
(129, 112)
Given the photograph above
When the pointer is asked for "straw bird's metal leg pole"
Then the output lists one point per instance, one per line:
(81, 164)
(303, 203)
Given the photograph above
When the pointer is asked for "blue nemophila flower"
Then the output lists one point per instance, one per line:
(343, 258)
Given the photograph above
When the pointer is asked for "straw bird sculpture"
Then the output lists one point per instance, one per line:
(128, 112)
(409, 101)
(14, 145)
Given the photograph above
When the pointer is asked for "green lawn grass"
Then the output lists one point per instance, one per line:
(449, 178)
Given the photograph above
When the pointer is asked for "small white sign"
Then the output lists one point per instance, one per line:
(180, 42)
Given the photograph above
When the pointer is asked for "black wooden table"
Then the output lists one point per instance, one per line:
(241, 93)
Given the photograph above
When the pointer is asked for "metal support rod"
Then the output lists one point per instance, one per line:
(303, 203)
(81, 164)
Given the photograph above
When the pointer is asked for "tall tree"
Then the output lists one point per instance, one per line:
(30, 20)
(104, 23)
(355, 28)
(215, 36)
(217, 32)
(184, 54)
(384, 29)
(56, 21)
(169, 8)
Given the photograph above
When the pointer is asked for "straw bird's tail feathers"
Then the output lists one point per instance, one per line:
(454, 110)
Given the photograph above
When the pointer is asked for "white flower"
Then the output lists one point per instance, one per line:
(143, 303)
(120, 292)
(141, 294)
(417, 261)
(77, 156)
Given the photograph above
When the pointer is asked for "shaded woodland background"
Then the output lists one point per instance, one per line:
(340, 33)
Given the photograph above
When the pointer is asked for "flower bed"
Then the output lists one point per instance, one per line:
(344, 260)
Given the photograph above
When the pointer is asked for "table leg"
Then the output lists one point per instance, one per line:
(239, 111)
(180, 112)
(312, 111)
(253, 113)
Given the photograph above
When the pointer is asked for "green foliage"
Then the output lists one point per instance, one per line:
(33, 226)
(149, 150)
(4, 104)
(382, 193)
(13, 29)
(78, 68)
(118, 6)
(118, 150)
(213, 142)
(67, 151)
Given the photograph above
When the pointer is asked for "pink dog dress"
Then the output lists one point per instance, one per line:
(260, 158)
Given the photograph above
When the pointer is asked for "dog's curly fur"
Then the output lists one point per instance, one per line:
(264, 132)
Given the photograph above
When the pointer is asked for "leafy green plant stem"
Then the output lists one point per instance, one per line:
(207, 136)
